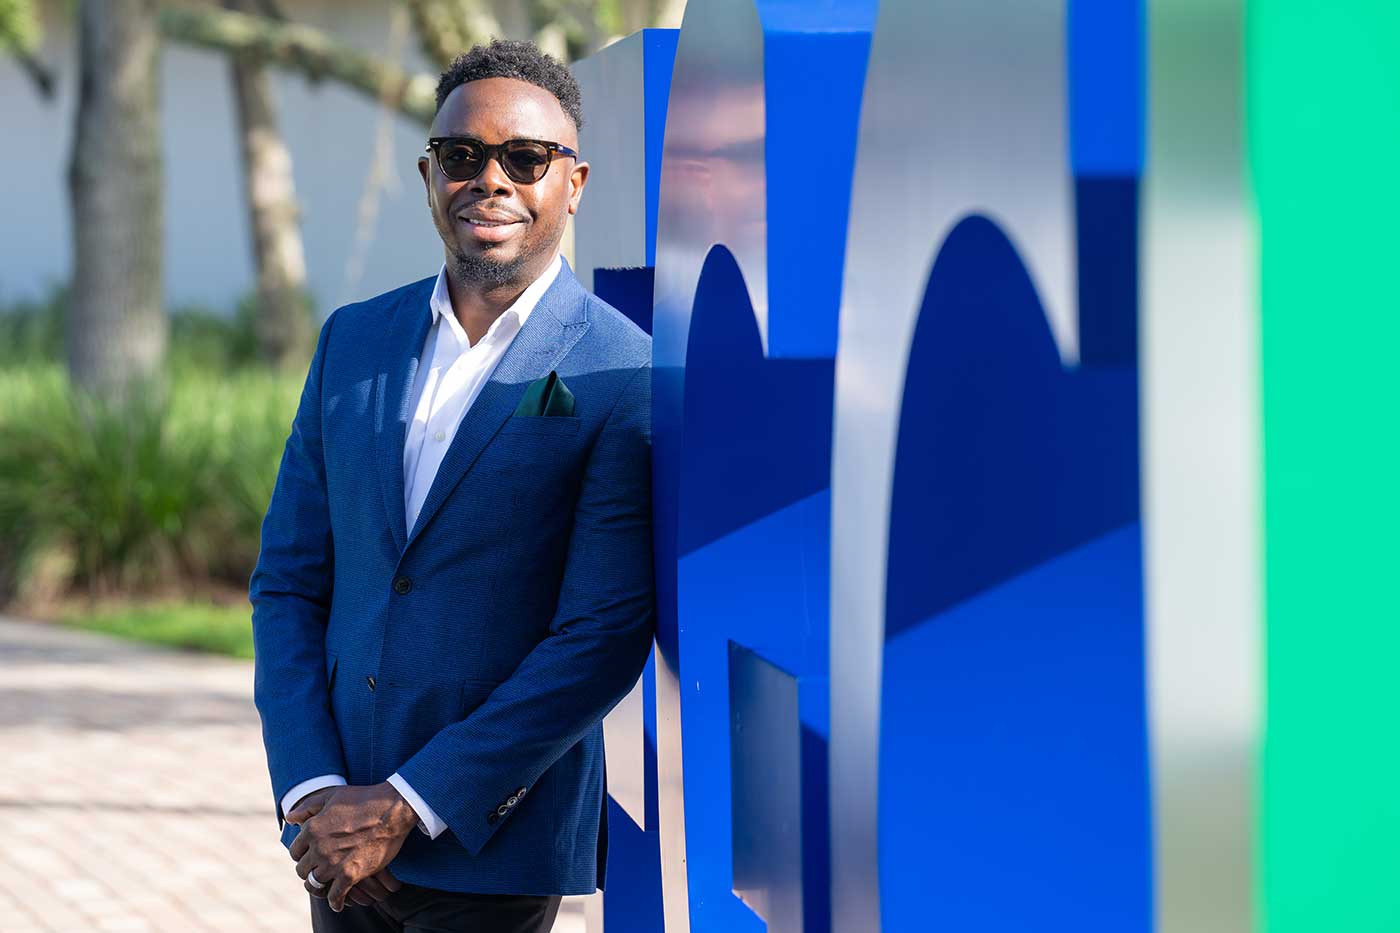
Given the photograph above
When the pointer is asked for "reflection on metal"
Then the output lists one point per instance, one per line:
(964, 112)
(610, 227)
(1201, 463)
(713, 172)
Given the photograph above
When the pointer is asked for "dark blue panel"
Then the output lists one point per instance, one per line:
(627, 290)
(1013, 755)
(757, 431)
(632, 898)
(658, 61)
(1004, 459)
(1107, 210)
(1107, 78)
(806, 74)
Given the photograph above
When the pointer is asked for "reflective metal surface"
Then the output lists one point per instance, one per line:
(1201, 467)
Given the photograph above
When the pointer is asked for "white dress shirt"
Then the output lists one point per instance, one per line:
(451, 373)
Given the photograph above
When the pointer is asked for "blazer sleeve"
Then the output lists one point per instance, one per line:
(290, 590)
(597, 645)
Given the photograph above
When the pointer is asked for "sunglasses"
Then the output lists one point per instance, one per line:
(462, 158)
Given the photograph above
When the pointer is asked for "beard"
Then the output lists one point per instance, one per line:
(485, 270)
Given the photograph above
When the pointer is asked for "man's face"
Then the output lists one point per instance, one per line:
(529, 219)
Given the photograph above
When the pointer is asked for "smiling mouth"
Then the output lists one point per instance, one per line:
(490, 223)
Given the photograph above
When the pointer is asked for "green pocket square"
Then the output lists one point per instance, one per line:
(547, 396)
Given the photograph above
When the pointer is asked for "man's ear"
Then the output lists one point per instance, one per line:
(423, 167)
(577, 179)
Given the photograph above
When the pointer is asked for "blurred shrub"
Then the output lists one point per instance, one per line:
(202, 338)
(144, 495)
(33, 330)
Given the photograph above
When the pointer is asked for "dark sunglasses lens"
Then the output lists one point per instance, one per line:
(460, 161)
(526, 162)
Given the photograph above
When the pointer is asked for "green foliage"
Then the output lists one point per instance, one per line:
(203, 339)
(139, 496)
(218, 629)
(20, 31)
(33, 330)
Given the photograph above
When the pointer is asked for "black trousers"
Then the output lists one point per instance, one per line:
(415, 909)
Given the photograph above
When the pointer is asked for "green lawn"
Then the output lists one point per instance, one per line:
(218, 629)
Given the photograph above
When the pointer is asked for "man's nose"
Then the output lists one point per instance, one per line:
(493, 180)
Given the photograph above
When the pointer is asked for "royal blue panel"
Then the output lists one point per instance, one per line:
(1013, 755)
(658, 59)
(627, 290)
(1005, 458)
(810, 166)
(1107, 77)
(765, 587)
(757, 430)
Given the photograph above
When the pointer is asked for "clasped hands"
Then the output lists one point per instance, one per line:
(349, 835)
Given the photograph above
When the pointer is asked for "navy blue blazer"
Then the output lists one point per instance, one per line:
(477, 652)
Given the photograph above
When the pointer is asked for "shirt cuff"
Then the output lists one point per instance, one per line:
(293, 796)
(428, 821)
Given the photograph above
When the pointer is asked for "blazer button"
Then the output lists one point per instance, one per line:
(512, 801)
(491, 817)
(502, 810)
(402, 585)
(520, 792)
(370, 681)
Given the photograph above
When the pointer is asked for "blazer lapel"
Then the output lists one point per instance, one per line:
(402, 349)
(551, 331)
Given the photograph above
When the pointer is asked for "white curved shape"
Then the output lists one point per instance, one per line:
(965, 112)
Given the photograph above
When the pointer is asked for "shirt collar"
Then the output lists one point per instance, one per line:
(441, 303)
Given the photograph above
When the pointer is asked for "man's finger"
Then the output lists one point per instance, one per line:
(336, 894)
(307, 862)
(387, 879)
(306, 810)
(362, 898)
(299, 846)
(314, 891)
(370, 888)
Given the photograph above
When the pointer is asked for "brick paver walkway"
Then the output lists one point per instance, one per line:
(134, 793)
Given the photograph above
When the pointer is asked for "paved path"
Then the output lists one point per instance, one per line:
(134, 793)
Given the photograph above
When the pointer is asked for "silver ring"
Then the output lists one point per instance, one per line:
(311, 877)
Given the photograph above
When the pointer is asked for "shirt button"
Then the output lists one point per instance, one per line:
(440, 436)
(371, 682)
(402, 585)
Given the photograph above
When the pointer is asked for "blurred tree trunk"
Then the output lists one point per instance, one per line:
(117, 329)
(282, 322)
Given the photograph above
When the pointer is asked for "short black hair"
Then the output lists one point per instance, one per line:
(514, 58)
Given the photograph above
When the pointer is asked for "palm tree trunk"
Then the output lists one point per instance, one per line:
(117, 329)
(282, 322)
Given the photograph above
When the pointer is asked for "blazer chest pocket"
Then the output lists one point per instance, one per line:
(542, 424)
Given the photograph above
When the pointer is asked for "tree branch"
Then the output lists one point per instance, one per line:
(302, 48)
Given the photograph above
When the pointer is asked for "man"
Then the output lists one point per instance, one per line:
(455, 581)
